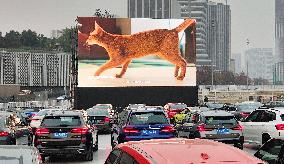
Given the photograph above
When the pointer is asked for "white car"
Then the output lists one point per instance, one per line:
(263, 124)
(36, 119)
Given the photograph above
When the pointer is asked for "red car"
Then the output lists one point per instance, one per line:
(174, 108)
(178, 150)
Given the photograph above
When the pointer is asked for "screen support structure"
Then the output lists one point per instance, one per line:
(74, 64)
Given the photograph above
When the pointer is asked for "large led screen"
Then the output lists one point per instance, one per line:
(122, 52)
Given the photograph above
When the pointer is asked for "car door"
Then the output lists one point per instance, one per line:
(267, 120)
(249, 126)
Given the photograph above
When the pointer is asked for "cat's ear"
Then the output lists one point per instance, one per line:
(98, 27)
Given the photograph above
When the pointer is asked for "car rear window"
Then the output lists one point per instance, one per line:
(148, 118)
(61, 121)
(216, 120)
(98, 112)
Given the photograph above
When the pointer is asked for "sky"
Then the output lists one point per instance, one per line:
(251, 19)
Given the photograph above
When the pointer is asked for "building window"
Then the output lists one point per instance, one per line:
(139, 8)
(146, 9)
(167, 9)
(132, 6)
(152, 8)
(159, 9)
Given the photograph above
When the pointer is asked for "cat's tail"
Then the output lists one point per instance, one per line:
(185, 24)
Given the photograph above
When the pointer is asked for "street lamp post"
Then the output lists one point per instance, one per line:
(212, 52)
(247, 42)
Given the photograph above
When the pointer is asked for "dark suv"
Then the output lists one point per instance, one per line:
(64, 133)
(141, 124)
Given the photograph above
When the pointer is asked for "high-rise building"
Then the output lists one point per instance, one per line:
(279, 29)
(56, 33)
(260, 63)
(153, 9)
(278, 73)
(219, 35)
(197, 9)
(238, 62)
(232, 65)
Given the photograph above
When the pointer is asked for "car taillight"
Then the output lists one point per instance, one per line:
(244, 114)
(106, 119)
(201, 128)
(3, 134)
(279, 126)
(130, 130)
(35, 119)
(239, 127)
(41, 131)
(168, 129)
(80, 130)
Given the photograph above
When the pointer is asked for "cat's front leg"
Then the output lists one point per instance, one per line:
(110, 64)
(123, 70)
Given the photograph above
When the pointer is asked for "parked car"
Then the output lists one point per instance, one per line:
(66, 132)
(263, 124)
(36, 121)
(272, 151)
(173, 109)
(141, 124)
(107, 107)
(213, 105)
(217, 125)
(21, 154)
(244, 109)
(99, 117)
(178, 150)
(273, 104)
(7, 136)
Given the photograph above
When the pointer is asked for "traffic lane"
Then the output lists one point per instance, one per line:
(104, 150)
(99, 156)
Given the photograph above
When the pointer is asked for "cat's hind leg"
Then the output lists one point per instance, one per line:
(176, 70)
(123, 70)
(110, 64)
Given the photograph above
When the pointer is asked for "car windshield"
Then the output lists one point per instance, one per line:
(61, 121)
(97, 112)
(269, 151)
(136, 106)
(247, 107)
(178, 106)
(220, 120)
(102, 106)
(138, 118)
(214, 105)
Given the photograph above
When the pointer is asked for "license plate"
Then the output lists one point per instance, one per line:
(223, 131)
(149, 132)
(60, 135)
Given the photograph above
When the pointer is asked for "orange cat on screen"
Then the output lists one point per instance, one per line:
(123, 48)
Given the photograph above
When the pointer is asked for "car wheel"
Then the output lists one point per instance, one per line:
(239, 145)
(265, 138)
(89, 156)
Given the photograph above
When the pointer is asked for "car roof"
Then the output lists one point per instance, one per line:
(215, 113)
(277, 109)
(64, 113)
(188, 151)
(148, 109)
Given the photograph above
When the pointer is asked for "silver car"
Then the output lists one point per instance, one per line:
(213, 124)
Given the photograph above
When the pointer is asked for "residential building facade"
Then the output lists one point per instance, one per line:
(35, 69)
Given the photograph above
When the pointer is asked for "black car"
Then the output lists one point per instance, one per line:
(100, 118)
(64, 133)
(244, 109)
(141, 124)
(272, 151)
(7, 136)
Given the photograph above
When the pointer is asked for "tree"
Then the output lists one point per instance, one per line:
(2, 45)
(29, 39)
(12, 39)
(100, 14)
(65, 40)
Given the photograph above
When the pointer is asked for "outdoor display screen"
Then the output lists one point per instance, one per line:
(138, 52)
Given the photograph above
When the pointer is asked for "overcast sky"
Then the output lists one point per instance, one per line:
(253, 19)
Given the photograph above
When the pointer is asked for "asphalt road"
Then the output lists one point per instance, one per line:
(104, 150)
